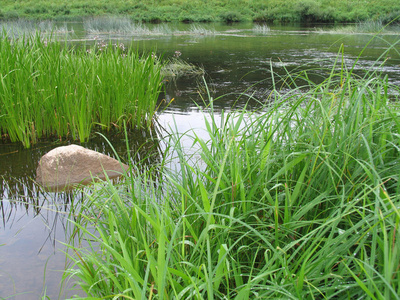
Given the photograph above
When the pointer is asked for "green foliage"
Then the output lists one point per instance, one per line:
(208, 11)
(230, 17)
(312, 11)
(48, 89)
(299, 200)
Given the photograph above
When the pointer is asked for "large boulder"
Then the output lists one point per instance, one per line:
(66, 167)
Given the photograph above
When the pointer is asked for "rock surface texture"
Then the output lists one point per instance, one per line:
(66, 167)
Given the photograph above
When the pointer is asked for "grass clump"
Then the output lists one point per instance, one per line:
(48, 89)
(124, 25)
(299, 200)
(21, 28)
(261, 29)
(372, 27)
(175, 67)
(115, 25)
(201, 30)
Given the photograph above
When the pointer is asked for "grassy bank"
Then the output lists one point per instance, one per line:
(49, 89)
(207, 11)
(299, 200)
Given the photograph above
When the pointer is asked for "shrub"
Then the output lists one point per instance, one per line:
(231, 17)
(308, 10)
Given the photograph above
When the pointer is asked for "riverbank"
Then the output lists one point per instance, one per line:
(278, 11)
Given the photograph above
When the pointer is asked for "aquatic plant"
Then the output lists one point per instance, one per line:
(21, 28)
(201, 30)
(48, 89)
(123, 25)
(113, 24)
(175, 67)
(298, 200)
(163, 29)
(261, 29)
(371, 26)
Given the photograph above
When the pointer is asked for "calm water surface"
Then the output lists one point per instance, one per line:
(235, 58)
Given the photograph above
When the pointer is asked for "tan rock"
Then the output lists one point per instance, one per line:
(66, 167)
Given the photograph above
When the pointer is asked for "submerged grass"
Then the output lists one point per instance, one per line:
(299, 200)
(50, 89)
(175, 67)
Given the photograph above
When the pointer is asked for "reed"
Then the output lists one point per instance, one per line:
(261, 29)
(125, 25)
(21, 28)
(115, 25)
(201, 30)
(49, 89)
(372, 27)
(299, 200)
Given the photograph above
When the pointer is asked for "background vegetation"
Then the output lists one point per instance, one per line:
(207, 11)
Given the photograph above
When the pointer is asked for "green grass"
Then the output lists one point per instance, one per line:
(49, 89)
(280, 11)
(298, 200)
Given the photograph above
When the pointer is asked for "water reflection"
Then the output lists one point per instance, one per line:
(18, 165)
(31, 256)
(19, 191)
(34, 221)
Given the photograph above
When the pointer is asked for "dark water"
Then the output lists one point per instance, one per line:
(236, 60)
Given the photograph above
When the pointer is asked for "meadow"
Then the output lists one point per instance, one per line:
(278, 11)
(296, 200)
(50, 89)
